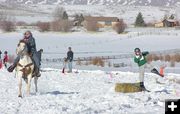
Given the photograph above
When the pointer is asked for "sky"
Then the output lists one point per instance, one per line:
(2, 0)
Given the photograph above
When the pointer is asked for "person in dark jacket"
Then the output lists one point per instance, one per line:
(0, 60)
(31, 45)
(70, 56)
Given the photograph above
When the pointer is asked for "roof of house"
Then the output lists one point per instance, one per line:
(171, 20)
(90, 18)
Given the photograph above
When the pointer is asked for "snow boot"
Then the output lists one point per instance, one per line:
(11, 68)
(37, 72)
(63, 71)
(142, 87)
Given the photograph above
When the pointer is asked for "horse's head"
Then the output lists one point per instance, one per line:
(21, 48)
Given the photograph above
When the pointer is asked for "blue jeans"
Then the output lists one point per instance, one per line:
(70, 66)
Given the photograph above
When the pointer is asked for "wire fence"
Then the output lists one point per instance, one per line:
(149, 33)
(121, 56)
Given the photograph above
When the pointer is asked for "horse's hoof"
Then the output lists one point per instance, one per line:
(20, 96)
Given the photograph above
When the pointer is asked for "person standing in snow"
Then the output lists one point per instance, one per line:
(0, 60)
(5, 59)
(0, 54)
(70, 56)
(140, 59)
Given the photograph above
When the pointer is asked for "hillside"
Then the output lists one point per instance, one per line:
(99, 2)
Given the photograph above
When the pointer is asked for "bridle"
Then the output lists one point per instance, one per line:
(22, 52)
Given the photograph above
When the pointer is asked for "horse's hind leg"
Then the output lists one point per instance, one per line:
(28, 85)
(35, 83)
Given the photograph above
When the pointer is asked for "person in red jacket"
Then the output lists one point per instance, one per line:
(0, 60)
(5, 59)
(0, 54)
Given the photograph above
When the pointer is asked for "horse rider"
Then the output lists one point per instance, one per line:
(31, 46)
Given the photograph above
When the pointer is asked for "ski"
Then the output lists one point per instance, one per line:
(156, 72)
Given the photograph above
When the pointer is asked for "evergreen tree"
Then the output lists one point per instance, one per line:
(81, 18)
(65, 15)
(172, 17)
(58, 13)
(76, 18)
(165, 16)
(139, 20)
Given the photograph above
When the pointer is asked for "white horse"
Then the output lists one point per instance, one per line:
(25, 68)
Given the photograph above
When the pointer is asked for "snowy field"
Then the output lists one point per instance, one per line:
(102, 43)
(90, 89)
(87, 92)
(97, 44)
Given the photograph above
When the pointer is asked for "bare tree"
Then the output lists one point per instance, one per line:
(3, 15)
(7, 22)
(66, 25)
(43, 26)
(61, 22)
(120, 26)
(7, 26)
(55, 26)
(58, 13)
(61, 25)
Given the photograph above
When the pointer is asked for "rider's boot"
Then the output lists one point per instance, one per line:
(37, 71)
(11, 68)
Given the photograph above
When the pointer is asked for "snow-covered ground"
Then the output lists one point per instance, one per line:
(91, 91)
(98, 44)
(87, 92)
(103, 43)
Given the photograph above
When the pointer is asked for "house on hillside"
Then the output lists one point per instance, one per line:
(159, 24)
(170, 22)
(99, 22)
(167, 23)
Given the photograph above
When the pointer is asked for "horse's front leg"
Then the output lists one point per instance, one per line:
(35, 83)
(28, 85)
(20, 84)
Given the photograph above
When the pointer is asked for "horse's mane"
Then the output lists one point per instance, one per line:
(22, 41)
